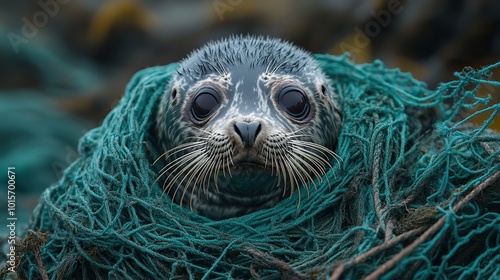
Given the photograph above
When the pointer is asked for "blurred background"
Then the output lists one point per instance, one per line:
(64, 64)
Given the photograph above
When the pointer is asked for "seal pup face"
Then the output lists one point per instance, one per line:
(245, 122)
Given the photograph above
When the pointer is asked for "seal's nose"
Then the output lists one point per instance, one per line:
(248, 132)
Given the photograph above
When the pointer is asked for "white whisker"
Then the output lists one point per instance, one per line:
(178, 149)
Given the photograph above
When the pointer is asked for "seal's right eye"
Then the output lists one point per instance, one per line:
(295, 103)
(204, 104)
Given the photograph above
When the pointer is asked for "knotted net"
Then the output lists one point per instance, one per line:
(417, 194)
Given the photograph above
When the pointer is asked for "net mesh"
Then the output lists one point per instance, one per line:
(416, 194)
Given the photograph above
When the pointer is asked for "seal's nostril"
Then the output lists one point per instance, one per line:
(248, 132)
(257, 130)
(237, 127)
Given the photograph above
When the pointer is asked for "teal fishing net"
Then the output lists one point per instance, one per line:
(417, 194)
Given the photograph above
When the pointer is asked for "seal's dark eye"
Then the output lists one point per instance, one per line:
(295, 103)
(204, 104)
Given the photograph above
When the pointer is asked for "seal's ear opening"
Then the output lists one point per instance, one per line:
(173, 96)
(323, 89)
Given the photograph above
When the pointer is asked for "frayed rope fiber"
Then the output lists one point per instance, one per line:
(417, 194)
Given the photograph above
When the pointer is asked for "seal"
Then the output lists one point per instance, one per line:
(245, 122)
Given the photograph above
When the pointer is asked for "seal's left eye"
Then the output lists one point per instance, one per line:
(295, 103)
(204, 104)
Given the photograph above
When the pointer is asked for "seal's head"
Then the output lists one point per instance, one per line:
(243, 123)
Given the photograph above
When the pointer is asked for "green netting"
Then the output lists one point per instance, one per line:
(411, 168)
